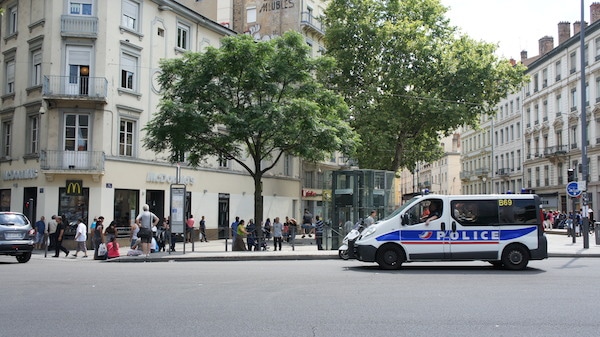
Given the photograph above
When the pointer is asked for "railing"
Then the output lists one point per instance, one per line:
(481, 172)
(75, 87)
(72, 160)
(311, 21)
(555, 150)
(504, 171)
(83, 26)
(465, 175)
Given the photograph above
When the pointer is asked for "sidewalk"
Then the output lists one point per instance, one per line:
(559, 245)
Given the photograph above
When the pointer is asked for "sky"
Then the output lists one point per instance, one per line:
(515, 25)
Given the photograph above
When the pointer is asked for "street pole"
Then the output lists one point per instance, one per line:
(584, 162)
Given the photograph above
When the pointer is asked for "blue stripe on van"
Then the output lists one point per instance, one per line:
(463, 236)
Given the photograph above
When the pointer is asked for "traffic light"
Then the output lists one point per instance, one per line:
(570, 175)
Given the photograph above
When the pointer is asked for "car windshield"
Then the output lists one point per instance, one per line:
(402, 207)
(14, 219)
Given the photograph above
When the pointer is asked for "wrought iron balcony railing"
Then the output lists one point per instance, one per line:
(92, 161)
(81, 87)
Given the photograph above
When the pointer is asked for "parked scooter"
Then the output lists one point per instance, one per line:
(346, 250)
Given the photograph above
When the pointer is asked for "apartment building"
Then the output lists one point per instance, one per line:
(536, 134)
(78, 85)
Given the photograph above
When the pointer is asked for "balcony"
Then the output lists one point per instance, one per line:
(504, 171)
(75, 87)
(559, 150)
(481, 172)
(91, 162)
(465, 175)
(79, 26)
(308, 21)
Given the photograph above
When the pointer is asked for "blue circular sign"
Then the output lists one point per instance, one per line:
(573, 189)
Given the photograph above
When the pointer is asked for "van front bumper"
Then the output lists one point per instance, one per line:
(366, 253)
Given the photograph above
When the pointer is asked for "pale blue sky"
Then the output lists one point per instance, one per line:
(515, 24)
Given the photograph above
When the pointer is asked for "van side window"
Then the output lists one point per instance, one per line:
(514, 211)
(420, 212)
(475, 212)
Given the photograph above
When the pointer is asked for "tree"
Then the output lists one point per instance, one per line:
(250, 102)
(409, 77)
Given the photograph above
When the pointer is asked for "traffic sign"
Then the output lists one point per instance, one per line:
(573, 189)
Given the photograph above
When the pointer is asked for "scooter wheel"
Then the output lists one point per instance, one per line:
(343, 254)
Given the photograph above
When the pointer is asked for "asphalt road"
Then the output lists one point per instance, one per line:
(555, 297)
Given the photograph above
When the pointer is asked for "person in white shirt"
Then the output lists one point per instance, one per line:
(81, 238)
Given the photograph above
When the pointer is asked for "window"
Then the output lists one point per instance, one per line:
(81, 7)
(10, 77)
(33, 134)
(572, 62)
(223, 162)
(131, 13)
(308, 179)
(127, 131)
(6, 138)
(183, 36)
(558, 71)
(597, 44)
(545, 78)
(573, 99)
(251, 14)
(288, 166)
(129, 65)
(36, 68)
(12, 20)
(558, 105)
(77, 128)
(535, 83)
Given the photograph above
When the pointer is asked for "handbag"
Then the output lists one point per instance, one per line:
(102, 249)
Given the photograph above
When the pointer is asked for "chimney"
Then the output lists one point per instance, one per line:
(594, 12)
(513, 62)
(523, 56)
(546, 44)
(577, 27)
(564, 31)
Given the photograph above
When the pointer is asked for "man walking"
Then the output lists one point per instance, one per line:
(52, 232)
(40, 233)
(234, 227)
(60, 232)
(277, 233)
(307, 223)
(203, 230)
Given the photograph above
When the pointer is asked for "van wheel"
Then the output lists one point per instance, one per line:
(515, 257)
(24, 257)
(390, 257)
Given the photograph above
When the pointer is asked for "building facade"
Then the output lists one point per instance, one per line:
(78, 87)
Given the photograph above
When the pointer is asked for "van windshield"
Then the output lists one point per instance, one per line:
(402, 207)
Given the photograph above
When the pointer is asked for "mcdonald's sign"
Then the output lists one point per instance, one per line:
(74, 187)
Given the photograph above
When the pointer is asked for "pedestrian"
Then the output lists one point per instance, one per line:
(189, 230)
(146, 220)
(98, 236)
(52, 231)
(111, 231)
(112, 249)
(40, 232)
(251, 235)
(60, 233)
(234, 226)
(319, 227)
(277, 233)
(371, 218)
(203, 230)
(133, 236)
(238, 244)
(307, 223)
(267, 228)
(81, 238)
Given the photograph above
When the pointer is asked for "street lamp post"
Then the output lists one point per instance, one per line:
(484, 179)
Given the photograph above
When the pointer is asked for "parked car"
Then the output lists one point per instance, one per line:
(16, 236)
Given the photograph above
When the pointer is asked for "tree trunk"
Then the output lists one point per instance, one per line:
(258, 207)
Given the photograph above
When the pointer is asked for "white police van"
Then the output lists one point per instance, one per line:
(503, 229)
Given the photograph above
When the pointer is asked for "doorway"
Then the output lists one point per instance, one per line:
(30, 203)
(156, 200)
(223, 220)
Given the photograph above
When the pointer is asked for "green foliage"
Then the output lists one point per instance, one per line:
(249, 100)
(410, 78)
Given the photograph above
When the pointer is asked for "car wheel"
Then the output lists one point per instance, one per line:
(515, 257)
(390, 257)
(24, 257)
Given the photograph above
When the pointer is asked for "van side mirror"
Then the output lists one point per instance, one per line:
(405, 219)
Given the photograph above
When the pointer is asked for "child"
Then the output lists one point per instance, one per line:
(113, 248)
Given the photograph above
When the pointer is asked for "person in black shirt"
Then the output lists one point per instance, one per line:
(60, 232)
